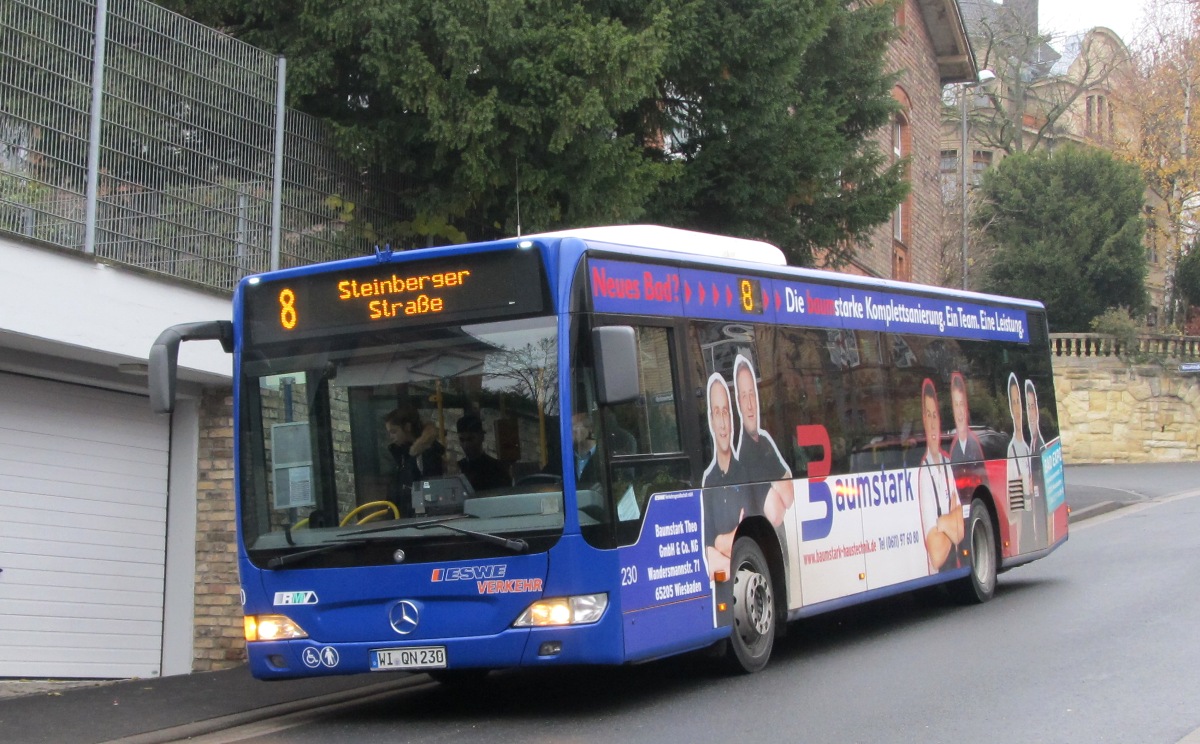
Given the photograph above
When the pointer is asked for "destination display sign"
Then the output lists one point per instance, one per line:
(651, 289)
(457, 289)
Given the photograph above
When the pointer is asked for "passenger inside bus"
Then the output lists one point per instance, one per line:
(584, 435)
(483, 471)
(416, 452)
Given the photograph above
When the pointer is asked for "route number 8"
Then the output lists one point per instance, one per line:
(287, 309)
(747, 295)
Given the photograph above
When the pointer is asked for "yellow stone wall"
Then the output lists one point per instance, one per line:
(1112, 411)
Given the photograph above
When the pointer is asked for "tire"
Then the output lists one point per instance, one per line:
(980, 585)
(754, 618)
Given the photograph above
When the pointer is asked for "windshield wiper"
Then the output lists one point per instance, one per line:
(411, 525)
(280, 561)
(516, 546)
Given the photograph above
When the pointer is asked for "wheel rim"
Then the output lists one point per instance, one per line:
(981, 554)
(754, 607)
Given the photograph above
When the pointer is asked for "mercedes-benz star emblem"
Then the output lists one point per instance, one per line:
(404, 617)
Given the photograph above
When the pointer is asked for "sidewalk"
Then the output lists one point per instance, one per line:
(149, 711)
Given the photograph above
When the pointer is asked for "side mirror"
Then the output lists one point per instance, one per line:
(164, 357)
(616, 353)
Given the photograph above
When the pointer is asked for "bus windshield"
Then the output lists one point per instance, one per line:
(376, 441)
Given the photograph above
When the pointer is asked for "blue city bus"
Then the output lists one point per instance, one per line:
(611, 445)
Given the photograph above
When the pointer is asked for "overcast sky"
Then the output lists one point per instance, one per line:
(1068, 16)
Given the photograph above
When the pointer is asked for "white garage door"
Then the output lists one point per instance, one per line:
(83, 509)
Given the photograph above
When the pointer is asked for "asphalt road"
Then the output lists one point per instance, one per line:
(1095, 489)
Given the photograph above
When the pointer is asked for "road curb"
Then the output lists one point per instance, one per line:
(1095, 510)
(1096, 514)
(233, 720)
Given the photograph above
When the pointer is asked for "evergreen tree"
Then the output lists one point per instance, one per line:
(1066, 229)
(746, 118)
(1187, 275)
(770, 112)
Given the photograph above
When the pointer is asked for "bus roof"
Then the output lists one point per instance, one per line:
(675, 240)
(720, 248)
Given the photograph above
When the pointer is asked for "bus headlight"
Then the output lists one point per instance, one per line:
(271, 628)
(579, 610)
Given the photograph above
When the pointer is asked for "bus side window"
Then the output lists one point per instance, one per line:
(648, 425)
(643, 438)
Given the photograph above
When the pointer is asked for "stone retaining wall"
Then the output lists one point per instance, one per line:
(1126, 402)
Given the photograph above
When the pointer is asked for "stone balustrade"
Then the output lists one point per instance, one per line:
(1154, 346)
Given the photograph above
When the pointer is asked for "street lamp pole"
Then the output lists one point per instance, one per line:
(985, 77)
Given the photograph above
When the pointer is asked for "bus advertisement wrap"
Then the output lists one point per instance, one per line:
(665, 588)
(648, 289)
(856, 533)
(666, 563)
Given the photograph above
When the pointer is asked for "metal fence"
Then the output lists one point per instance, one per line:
(138, 135)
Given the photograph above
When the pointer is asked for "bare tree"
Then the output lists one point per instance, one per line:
(1038, 87)
(1160, 91)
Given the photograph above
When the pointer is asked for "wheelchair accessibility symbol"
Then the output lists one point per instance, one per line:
(315, 657)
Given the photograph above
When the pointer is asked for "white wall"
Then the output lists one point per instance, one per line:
(66, 304)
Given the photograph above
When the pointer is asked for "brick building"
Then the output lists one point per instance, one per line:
(931, 51)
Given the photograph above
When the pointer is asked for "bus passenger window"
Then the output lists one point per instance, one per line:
(648, 425)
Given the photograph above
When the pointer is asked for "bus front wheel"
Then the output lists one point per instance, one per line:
(979, 585)
(754, 616)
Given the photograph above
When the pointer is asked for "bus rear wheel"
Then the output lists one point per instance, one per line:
(754, 618)
(980, 585)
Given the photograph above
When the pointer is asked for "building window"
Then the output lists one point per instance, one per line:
(900, 267)
(1151, 236)
(1100, 118)
(900, 149)
(981, 160)
(949, 173)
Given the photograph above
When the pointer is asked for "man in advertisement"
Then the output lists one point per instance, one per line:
(1019, 476)
(725, 501)
(1037, 445)
(966, 453)
(756, 451)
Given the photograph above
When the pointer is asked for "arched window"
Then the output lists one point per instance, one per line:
(902, 217)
